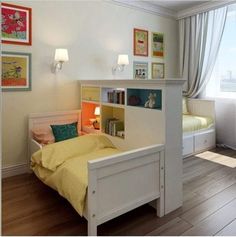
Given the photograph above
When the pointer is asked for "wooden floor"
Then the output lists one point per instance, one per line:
(31, 208)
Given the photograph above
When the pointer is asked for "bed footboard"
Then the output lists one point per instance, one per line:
(120, 183)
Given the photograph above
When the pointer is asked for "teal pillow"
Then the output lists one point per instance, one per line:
(64, 131)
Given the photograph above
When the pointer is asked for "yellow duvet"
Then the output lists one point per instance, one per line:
(63, 165)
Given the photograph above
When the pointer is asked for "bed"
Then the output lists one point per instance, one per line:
(198, 126)
(116, 183)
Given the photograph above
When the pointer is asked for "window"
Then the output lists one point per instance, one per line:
(223, 79)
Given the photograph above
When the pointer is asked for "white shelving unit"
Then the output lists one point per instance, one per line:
(145, 126)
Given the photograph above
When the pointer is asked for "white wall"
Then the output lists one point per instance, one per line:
(226, 122)
(95, 33)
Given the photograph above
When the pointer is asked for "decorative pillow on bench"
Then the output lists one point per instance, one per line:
(64, 131)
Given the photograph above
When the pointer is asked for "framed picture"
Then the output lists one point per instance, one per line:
(16, 24)
(157, 45)
(140, 42)
(140, 70)
(16, 71)
(158, 70)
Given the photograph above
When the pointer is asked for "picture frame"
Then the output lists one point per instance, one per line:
(140, 70)
(140, 42)
(16, 71)
(157, 44)
(158, 70)
(16, 24)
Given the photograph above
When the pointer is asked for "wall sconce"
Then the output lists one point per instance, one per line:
(123, 60)
(61, 56)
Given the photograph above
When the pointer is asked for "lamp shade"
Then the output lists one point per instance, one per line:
(97, 111)
(123, 59)
(61, 55)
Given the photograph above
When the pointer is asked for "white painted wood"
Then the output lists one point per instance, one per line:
(92, 202)
(172, 110)
(145, 127)
(188, 145)
(122, 182)
(204, 139)
(200, 141)
(160, 202)
(35, 146)
(118, 183)
(201, 107)
(13, 170)
(45, 120)
(152, 84)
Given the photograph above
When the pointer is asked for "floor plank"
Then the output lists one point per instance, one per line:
(211, 205)
(176, 226)
(229, 230)
(215, 222)
(31, 208)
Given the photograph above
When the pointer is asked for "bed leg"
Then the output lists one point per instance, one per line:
(160, 207)
(92, 228)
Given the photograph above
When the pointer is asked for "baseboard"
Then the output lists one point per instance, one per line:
(231, 147)
(226, 146)
(13, 170)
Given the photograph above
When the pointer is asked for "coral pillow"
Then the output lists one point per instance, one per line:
(43, 135)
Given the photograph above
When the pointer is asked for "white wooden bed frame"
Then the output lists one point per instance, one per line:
(118, 183)
(201, 140)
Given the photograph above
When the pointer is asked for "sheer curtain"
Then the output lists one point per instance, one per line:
(200, 37)
(222, 84)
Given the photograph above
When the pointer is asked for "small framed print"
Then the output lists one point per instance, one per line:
(140, 70)
(16, 71)
(158, 70)
(140, 42)
(16, 24)
(157, 45)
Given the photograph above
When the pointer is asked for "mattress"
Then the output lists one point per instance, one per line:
(192, 123)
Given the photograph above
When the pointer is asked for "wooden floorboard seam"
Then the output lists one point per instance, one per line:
(31, 208)
(225, 226)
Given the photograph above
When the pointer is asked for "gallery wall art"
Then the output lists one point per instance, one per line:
(16, 24)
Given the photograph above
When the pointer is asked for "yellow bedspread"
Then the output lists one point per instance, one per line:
(193, 123)
(63, 165)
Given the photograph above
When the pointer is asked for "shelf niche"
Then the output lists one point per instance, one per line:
(113, 95)
(91, 94)
(109, 113)
(88, 113)
(138, 98)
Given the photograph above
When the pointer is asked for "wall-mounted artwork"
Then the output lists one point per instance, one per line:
(157, 45)
(16, 24)
(158, 70)
(140, 42)
(16, 71)
(140, 70)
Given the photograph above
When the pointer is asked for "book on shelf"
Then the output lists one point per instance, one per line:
(113, 126)
(116, 97)
(107, 125)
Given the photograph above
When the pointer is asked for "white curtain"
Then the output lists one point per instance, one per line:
(200, 36)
